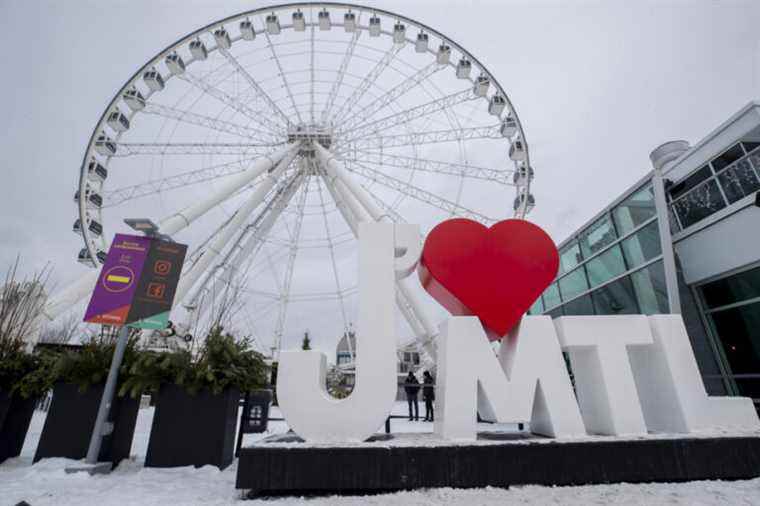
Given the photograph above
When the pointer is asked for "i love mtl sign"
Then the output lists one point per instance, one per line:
(137, 283)
(633, 374)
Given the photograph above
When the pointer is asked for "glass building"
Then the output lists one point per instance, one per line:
(616, 263)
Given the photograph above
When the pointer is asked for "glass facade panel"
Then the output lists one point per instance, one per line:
(580, 306)
(651, 291)
(699, 204)
(597, 236)
(739, 287)
(738, 181)
(569, 257)
(690, 182)
(755, 159)
(573, 284)
(728, 157)
(634, 210)
(605, 266)
(554, 313)
(551, 296)
(644, 245)
(739, 331)
(617, 297)
(537, 307)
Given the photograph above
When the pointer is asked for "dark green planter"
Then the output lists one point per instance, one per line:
(193, 430)
(15, 417)
(70, 421)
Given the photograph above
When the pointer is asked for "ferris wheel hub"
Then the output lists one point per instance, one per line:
(307, 134)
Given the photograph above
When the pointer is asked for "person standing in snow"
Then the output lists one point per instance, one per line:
(412, 388)
(428, 394)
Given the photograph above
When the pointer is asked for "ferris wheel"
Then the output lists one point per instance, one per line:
(263, 139)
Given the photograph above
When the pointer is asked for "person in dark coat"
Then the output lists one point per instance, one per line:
(428, 394)
(412, 388)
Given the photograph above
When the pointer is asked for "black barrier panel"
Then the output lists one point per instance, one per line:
(15, 416)
(269, 470)
(193, 430)
(70, 421)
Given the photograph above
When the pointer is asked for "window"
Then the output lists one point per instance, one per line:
(732, 289)
(634, 210)
(700, 203)
(617, 297)
(750, 146)
(573, 284)
(537, 307)
(739, 331)
(690, 182)
(644, 245)
(651, 290)
(407, 356)
(580, 306)
(728, 157)
(551, 296)
(416, 358)
(597, 236)
(569, 257)
(605, 266)
(738, 181)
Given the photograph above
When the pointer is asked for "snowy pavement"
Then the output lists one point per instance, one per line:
(46, 483)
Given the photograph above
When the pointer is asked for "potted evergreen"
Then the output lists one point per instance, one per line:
(197, 399)
(22, 378)
(79, 379)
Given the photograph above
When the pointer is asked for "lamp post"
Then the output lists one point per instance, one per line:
(102, 427)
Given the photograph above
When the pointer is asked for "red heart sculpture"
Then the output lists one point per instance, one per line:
(493, 273)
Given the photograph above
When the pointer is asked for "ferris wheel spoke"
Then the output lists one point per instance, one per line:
(312, 76)
(368, 80)
(418, 138)
(415, 192)
(331, 248)
(234, 103)
(254, 85)
(408, 115)
(284, 79)
(125, 193)
(390, 96)
(192, 148)
(502, 176)
(204, 121)
(288, 278)
(341, 75)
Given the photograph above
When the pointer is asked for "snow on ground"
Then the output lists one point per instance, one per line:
(46, 483)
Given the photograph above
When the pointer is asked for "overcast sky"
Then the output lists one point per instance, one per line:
(597, 85)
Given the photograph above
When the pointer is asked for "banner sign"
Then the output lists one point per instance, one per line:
(137, 283)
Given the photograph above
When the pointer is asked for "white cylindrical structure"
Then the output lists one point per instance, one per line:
(186, 216)
(82, 287)
(662, 159)
(190, 277)
(339, 184)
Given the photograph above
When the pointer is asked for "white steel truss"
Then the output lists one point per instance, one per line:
(387, 98)
(205, 121)
(418, 138)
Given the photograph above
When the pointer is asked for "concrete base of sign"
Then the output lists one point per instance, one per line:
(285, 466)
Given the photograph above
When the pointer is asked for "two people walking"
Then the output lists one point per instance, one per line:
(412, 389)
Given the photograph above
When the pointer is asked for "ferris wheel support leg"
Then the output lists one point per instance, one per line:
(189, 278)
(242, 249)
(340, 190)
(83, 286)
(336, 171)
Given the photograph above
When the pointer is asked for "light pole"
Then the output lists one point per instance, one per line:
(102, 427)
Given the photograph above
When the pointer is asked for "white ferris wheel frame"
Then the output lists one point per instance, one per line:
(352, 200)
